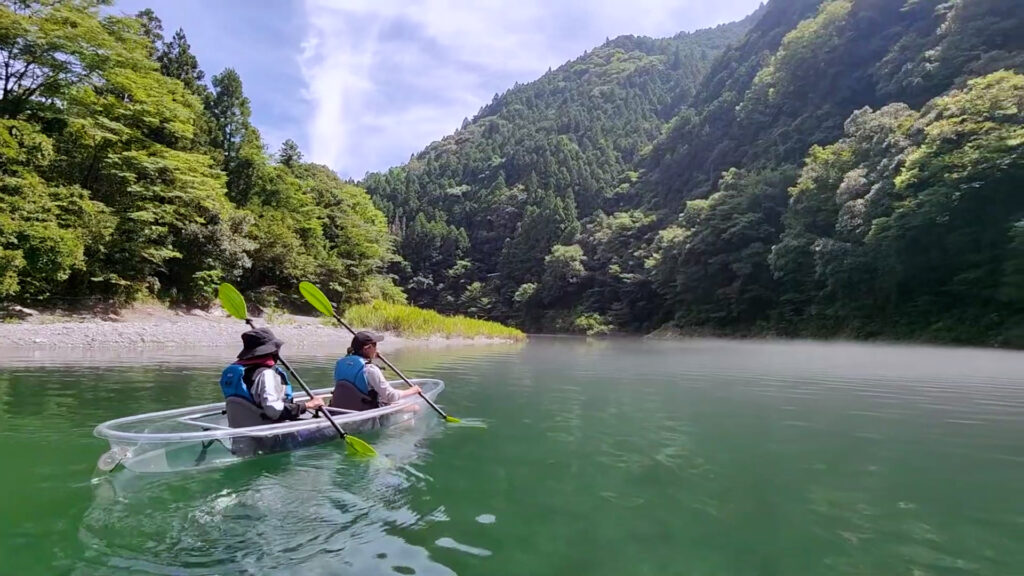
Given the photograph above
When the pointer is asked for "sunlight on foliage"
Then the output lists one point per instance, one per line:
(417, 322)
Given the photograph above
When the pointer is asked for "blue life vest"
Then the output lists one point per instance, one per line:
(352, 369)
(234, 382)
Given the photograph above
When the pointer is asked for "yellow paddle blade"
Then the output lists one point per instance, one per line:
(469, 423)
(359, 447)
(452, 419)
(232, 301)
(317, 298)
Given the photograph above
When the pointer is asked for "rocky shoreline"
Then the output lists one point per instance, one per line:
(155, 327)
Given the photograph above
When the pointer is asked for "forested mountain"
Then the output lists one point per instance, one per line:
(489, 201)
(841, 167)
(122, 173)
(846, 55)
(826, 220)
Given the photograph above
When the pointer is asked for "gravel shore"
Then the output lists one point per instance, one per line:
(154, 327)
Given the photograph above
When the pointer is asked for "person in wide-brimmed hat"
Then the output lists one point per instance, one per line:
(256, 377)
(358, 382)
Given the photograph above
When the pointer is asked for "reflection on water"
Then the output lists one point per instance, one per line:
(600, 457)
(268, 514)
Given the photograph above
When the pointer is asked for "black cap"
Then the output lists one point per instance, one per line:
(259, 342)
(362, 339)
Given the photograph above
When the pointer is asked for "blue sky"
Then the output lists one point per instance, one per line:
(362, 84)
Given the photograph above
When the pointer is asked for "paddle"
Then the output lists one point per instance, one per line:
(321, 303)
(232, 301)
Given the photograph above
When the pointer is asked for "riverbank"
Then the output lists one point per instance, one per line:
(149, 326)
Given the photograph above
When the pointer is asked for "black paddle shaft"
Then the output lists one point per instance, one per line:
(305, 388)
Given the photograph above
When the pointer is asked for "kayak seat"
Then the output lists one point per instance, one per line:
(347, 397)
(244, 414)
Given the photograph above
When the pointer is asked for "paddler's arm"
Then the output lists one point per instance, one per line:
(387, 393)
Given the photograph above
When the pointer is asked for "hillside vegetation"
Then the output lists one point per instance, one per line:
(824, 167)
(476, 213)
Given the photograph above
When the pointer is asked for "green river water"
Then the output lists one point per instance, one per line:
(606, 457)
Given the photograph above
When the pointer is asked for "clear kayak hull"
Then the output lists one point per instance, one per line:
(199, 436)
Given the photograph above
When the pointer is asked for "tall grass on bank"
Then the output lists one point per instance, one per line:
(413, 321)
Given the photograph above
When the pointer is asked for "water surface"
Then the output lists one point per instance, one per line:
(598, 457)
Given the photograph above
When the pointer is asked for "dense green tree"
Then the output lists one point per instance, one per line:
(358, 244)
(230, 110)
(431, 244)
(907, 225)
(842, 189)
(49, 48)
(563, 273)
(177, 61)
(44, 230)
(715, 271)
(547, 221)
(952, 233)
(619, 249)
(152, 30)
(289, 154)
(109, 188)
(1012, 289)
(134, 159)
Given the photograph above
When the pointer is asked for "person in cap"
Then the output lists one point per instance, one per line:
(358, 382)
(256, 379)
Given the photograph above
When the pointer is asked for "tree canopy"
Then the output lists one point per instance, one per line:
(122, 174)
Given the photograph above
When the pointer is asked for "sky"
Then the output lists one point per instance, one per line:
(361, 85)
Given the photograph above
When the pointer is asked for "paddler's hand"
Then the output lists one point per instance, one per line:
(413, 390)
(314, 403)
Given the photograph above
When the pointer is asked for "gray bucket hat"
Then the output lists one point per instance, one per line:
(259, 342)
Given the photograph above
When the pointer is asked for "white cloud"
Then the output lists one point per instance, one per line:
(386, 77)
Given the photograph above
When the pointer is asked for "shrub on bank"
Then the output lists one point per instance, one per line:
(413, 321)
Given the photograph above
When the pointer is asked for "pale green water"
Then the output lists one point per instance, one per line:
(610, 457)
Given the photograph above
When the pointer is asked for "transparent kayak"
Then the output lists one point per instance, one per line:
(199, 436)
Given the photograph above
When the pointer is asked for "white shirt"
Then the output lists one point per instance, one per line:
(375, 379)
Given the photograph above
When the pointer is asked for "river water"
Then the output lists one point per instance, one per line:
(589, 457)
